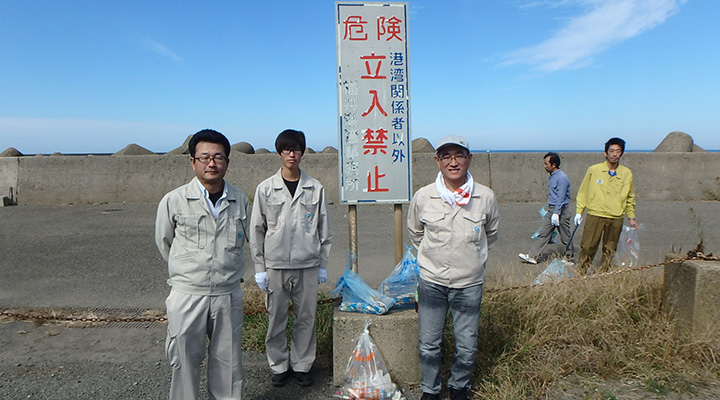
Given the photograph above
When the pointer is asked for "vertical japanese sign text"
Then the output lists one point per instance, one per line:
(373, 102)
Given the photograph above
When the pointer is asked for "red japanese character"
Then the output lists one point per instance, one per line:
(377, 188)
(354, 27)
(379, 59)
(393, 28)
(375, 143)
(375, 103)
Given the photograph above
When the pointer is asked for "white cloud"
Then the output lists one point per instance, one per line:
(159, 48)
(606, 23)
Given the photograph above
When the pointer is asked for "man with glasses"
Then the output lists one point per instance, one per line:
(452, 222)
(290, 238)
(200, 232)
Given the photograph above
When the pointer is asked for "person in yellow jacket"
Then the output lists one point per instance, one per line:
(608, 194)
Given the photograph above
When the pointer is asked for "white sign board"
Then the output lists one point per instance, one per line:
(373, 102)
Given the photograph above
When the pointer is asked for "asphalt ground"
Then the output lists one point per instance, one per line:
(104, 257)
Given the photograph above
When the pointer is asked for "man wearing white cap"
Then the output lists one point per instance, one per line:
(452, 223)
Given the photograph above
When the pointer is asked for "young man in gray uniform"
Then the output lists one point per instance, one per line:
(200, 232)
(290, 240)
(452, 223)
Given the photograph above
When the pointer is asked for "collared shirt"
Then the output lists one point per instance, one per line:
(558, 190)
(204, 254)
(290, 231)
(213, 207)
(607, 196)
(453, 243)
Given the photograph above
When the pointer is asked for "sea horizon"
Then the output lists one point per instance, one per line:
(567, 151)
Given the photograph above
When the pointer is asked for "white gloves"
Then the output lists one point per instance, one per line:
(578, 219)
(261, 278)
(555, 219)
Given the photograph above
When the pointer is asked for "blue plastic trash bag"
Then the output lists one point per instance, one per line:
(402, 282)
(628, 248)
(555, 271)
(357, 295)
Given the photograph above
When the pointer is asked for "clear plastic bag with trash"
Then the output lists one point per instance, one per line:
(366, 376)
(557, 270)
(402, 282)
(628, 248)
(543, 212)
(357, 295)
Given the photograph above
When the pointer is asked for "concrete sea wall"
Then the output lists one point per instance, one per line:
(515, 177)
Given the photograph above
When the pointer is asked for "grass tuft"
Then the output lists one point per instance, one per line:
(256, 323)
(532, 340)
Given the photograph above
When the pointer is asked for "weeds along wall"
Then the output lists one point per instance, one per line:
(515, 177)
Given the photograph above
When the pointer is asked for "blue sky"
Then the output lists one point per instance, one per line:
(95, 76)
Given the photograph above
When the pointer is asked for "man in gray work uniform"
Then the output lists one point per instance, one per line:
(200, 232)
(290, 239)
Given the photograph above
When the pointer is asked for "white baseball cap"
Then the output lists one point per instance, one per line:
(452, 139)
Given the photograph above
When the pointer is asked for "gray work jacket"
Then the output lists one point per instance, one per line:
(290, 232)
(204, 255)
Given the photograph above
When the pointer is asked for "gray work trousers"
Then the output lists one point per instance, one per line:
(546, 231)
(300, 286)
(198, 324)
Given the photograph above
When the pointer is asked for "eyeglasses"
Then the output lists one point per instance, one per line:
(286, 152)
(218, 158)
(456, 157)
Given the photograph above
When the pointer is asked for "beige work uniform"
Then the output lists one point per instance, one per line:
(205, 264)
(453, 243)
(290, 238)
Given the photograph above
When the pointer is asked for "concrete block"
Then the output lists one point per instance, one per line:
(243, 147)
(698, 149)
(395, 334)
(690, 294)
(675, 142)
(131, 150)
(422, 145)
(528, 185)
(9, 169)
